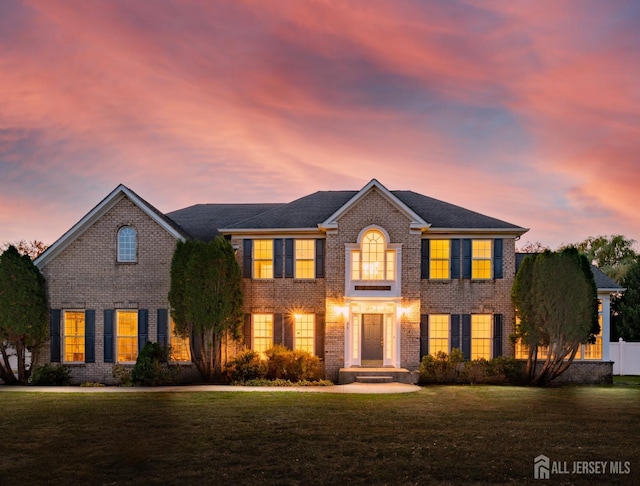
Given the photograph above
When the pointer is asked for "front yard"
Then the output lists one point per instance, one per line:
(442, 435)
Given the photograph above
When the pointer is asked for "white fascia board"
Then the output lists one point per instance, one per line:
(95, 214)
(477, 232)
(417, 223)
(275, 232)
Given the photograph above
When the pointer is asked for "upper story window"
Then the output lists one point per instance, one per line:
(440, 252)
(127, 244)
(305, 262)
(373, 261)
(262, 258)
(481, 259)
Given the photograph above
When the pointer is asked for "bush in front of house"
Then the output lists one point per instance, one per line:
(56, 375)
(152, 366)
(452, 368)
(281, 365)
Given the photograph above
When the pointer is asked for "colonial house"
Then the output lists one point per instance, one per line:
(368, 280)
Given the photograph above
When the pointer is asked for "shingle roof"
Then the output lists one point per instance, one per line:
(204, 220)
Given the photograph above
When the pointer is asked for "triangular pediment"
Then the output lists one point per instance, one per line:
(416, 222)
(98, 212)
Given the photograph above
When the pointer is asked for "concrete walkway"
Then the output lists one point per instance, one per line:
(371, 388)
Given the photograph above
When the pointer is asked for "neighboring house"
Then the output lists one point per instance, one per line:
(365, 280)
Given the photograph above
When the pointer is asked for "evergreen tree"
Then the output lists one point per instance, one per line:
(23, 313)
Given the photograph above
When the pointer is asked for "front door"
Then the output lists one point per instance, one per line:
(372, 339)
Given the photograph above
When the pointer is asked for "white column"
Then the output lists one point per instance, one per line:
(606, 325)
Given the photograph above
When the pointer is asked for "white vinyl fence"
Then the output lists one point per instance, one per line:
(626, 357)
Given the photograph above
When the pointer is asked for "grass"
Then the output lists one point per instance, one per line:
(441, 435)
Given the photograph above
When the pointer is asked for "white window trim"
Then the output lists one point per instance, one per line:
(118, 250)
(64, 334)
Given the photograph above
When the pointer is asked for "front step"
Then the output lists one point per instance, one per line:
(375, 375)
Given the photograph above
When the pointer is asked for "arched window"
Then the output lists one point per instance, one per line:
(127, 244)
(373, 261)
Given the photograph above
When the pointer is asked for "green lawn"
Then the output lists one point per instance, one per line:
(442, 435)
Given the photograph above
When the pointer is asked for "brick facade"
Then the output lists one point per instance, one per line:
(86, 275)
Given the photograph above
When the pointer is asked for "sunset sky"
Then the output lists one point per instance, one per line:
(526, 111)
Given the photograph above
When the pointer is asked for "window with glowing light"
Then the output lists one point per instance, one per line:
(304, 332)
(373, 261)
(127, 244)
(179, 345)
(127, 338)
(480, 336)
(262, 332)
(262, 258)
(305, 258)
(439, 252)
(481, 259)
(438, 333)
(594, 351)
(74, 330)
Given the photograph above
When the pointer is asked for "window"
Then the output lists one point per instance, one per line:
(373, 261)
(74, 329)
(127, 340)
(304, 335)
(179, 345)
(480, 336)
(438, 333)
(594, 351)
(263, 259)
(481, 259)
(127, 244)
(305, 251)
(262, 332)
(439, 251)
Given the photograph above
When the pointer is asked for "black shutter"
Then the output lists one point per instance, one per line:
(497, 335)
(288, 329)
(277, 258)
(424, 259)
(466, 336)
(278, 338)
(319, 335)
(288, 257)
(455, 331)
(320, 257)
(143, 328)
(90, 336)
(497, 258)
(466, 258)
(108, 336)
(55, 335)
(247, 258)
(424, 334)
(163, 327)
(247, 330)
(455, 258)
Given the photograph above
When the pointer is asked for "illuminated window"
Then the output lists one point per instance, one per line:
(74, 336)
(127, 341)
(305, 251)
(438, 333)
(263, 259)
(594, 351)
(439, 251)
(262, 332)
(304, 337)
(522, 351)
(481, 259)
(126, 244)
(480, 336)
(179, 345)
(373, 261)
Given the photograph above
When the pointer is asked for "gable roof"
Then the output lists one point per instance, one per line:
(98, 211)
(417, 222)
(321, 209)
